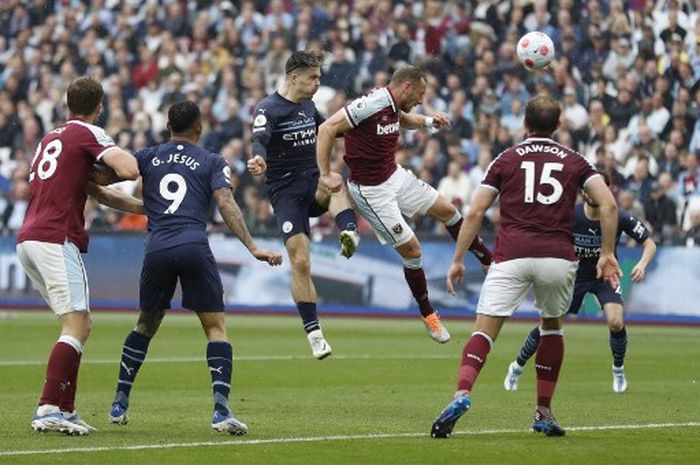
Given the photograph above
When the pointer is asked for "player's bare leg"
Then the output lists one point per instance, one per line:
(446, 213)
(340, 208)
(56, 410)
(486, 329)
(548, 360)
(618, 344)
(304, 293)
(415, 277)
(134, 352)
(220, 362)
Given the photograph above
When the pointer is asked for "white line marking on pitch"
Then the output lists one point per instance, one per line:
(253, 442)
(244, 358)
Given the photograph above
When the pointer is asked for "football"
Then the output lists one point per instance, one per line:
(535, 50)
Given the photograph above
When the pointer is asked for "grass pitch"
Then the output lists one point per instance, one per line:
(372, 402)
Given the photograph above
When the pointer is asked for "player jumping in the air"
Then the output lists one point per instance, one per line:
(383, 191)
(284, 149)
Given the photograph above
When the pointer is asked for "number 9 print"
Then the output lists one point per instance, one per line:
(176, 196)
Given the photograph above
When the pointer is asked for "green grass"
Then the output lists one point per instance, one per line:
(385, 377)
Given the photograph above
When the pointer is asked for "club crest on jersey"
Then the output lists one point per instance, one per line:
(398, 229)
(384, 129)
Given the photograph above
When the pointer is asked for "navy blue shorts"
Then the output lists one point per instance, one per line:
(195, 267)
(293, 200)
(603, 291)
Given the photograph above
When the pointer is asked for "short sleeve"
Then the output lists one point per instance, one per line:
(586, 169)
(633, 227)
(362, 108)
(220, 174)
(493, 177)
(142, 157)
(97, 141)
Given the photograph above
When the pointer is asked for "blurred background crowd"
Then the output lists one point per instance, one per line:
(626, 73)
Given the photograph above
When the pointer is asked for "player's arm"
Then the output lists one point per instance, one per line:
(122, 162)
(262, 132)
(327, 132)
(607, 268)
(482, 201)
(233, 217)
(416, 121)
(648, 252)
(114, 198)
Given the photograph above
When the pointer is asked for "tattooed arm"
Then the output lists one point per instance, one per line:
(233, 217)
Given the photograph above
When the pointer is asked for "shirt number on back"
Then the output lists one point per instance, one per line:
(545, 178)
(177, 195)
(49, 160)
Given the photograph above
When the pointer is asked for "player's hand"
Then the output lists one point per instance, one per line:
(638, 273)
(455, 271)
(257, 165)
(609, 270)
(272, 258)
(103, 175)
(332, 181)
(441, 120)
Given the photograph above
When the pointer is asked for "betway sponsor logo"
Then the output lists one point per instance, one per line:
(387, 128)
(543, 367)
(541, 148)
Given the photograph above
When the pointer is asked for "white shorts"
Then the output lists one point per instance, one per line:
(58, 273)
(385, 205)
(507, 283)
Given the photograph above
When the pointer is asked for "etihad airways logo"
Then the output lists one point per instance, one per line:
(384, 129)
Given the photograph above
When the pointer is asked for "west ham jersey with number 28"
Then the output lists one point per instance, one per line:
(59, 173)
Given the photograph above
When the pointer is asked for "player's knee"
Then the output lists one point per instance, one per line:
(616, 324)
(301, 264)
(410, 250)
(216, 333)
(77, 324)
(148, 323)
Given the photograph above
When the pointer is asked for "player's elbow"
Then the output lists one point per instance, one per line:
(475, 214)
(608, 206)
(327, 131)
(650, 246)
(128, 171)
(123, 163)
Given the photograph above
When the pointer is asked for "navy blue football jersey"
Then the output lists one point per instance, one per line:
(284, 133)
(179, 179)
(587, 239)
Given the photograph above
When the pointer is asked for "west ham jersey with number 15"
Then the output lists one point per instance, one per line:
(537, 181)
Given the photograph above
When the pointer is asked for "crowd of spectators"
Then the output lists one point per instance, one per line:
(626, 73)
